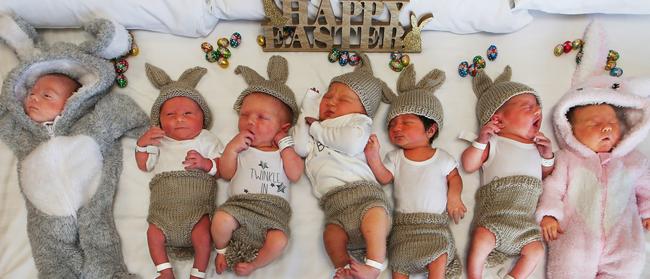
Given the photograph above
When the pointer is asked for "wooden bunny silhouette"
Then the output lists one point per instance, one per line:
(274, 14)
(412, 41)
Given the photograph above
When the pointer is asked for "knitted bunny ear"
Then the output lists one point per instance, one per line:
(387, 94)
(278, 70)
(505, 76)
(18, 35)
(432, 80)
(157, 76)
(594, 54)
(192, 76)
(365, 65)
(406, 79)
(249, 75)
(481, 82)
(111, 39)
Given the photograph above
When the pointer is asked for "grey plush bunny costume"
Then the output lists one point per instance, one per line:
(505, 206)
(179, 198)
(417, 239)
(69, 173)
(258, 213)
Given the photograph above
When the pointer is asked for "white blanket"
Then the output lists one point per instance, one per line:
(529, 52)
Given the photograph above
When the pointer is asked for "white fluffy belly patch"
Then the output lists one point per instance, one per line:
(62, 174)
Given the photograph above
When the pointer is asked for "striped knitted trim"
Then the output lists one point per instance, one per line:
(281, 92)
(367, 87)
(173, 91)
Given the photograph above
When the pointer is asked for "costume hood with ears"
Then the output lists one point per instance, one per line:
(593, 85)
(183, 87)
(278, 72)
(418, 99)
(371, 90)
(493, 94)
(86, 63)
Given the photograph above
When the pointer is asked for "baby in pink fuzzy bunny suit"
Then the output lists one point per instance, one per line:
(596, 203)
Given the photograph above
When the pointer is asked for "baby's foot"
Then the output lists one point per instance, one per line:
(220, 263)
(343, 272)
(363, 271)
(244, 269)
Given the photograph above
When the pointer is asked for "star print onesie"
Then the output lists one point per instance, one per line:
(258, 200)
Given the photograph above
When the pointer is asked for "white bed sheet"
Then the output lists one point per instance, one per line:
(528, 51)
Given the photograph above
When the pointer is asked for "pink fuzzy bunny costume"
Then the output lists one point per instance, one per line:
(599, 199)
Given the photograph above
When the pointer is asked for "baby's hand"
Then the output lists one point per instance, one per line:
(489, 130)
(543, 145)
(550, 228)
(194, 161)
(310, 120)
(240, 142)
(372, 147)
(456, 209)
(153, 136)
(646, 224)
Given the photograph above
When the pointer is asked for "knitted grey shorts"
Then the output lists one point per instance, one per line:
(417, 239)
(178, 201)
(346, 205)
(506, 207)
(256, 214)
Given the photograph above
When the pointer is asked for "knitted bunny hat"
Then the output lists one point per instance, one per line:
(370, 89)
(183, 87)
(278, 72)
(493, 94)
(592, 85)
(418, 99)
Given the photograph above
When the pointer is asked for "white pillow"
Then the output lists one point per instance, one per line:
(469, 16)
(196, 18)
(585, 6)
(180, 17)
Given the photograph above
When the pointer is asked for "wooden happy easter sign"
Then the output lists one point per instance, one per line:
(291, 29)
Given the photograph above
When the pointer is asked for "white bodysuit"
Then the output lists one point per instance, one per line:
(334, 147)
(420, 186)
(259, 172)
(173, 152)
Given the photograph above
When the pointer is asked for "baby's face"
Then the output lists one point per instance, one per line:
(407, 131)
(338, 101)
(181, 118)
(47, 98)
(596, 126)
(264, 116)
(520, 116)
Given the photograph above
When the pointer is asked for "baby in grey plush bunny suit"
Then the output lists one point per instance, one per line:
(68, 148)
